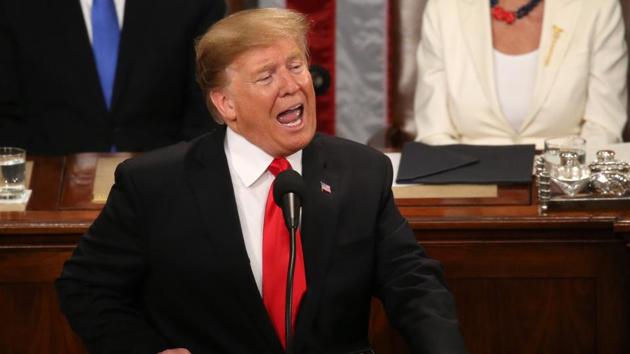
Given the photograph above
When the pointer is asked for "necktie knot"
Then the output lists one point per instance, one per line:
(278, 165)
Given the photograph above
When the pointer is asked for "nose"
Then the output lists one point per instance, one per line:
(288, 83)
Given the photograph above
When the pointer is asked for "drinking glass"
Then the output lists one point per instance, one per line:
(565, 159)
(555, 146)
(12, 171)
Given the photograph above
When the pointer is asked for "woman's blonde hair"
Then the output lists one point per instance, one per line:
(238, 33)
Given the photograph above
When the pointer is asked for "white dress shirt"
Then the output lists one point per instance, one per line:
(86, 7)
(251, 181)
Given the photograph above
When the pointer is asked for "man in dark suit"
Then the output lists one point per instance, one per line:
(51, 98)
(178, 259)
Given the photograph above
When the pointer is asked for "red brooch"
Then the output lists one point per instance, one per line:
(501, 14)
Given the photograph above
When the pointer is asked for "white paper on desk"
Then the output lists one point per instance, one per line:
(395, 158)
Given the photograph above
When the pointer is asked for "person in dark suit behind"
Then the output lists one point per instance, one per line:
(179, 259)
(52, 99)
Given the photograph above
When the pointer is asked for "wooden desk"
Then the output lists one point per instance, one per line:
(526, 283)
(523, 283)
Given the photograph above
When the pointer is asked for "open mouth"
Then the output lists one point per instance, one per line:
(292, 117)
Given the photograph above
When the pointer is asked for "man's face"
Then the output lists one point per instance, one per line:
(269, 98)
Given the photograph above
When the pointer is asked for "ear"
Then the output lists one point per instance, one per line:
(224, 104)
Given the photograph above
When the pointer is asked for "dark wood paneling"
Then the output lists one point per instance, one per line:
(35, 325)
(30, 320)
(46, 180)
(78, 181)
(528, 315)
(530, 295)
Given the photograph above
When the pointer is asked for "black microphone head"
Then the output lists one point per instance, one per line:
(288, 181)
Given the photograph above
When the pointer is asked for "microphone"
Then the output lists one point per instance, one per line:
(288, 192)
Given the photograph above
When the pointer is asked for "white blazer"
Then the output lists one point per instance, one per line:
(580, 80)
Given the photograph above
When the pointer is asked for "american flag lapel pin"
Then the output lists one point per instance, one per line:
(325, 187)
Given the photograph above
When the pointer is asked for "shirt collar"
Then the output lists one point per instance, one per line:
(249, 161)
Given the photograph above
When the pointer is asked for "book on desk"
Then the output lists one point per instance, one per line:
(465, 173)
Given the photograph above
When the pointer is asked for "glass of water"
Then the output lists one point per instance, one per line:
(565, 159)
(12, 172)
(555, 146)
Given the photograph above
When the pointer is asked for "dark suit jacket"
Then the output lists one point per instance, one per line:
(50, 97)
(165, 265)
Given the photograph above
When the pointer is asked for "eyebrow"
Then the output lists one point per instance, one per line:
(264, 68)
(295, 55)
(270, 66)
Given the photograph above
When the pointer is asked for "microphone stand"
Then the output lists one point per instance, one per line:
(293, 223)
(289, 294)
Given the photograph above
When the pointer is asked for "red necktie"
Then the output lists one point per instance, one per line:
(276, 261)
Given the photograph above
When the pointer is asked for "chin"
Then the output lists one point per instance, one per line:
(298, 143)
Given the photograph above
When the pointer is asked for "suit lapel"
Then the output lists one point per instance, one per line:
(209, 177)
(132, 38)
(318, 228)
(78, 54)
(476, 27)
(560, 20)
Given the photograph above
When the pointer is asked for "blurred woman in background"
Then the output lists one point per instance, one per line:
(519, 71)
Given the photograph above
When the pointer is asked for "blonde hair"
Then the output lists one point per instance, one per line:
(238, 33)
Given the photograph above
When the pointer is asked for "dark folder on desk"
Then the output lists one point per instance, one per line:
(466, 164)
